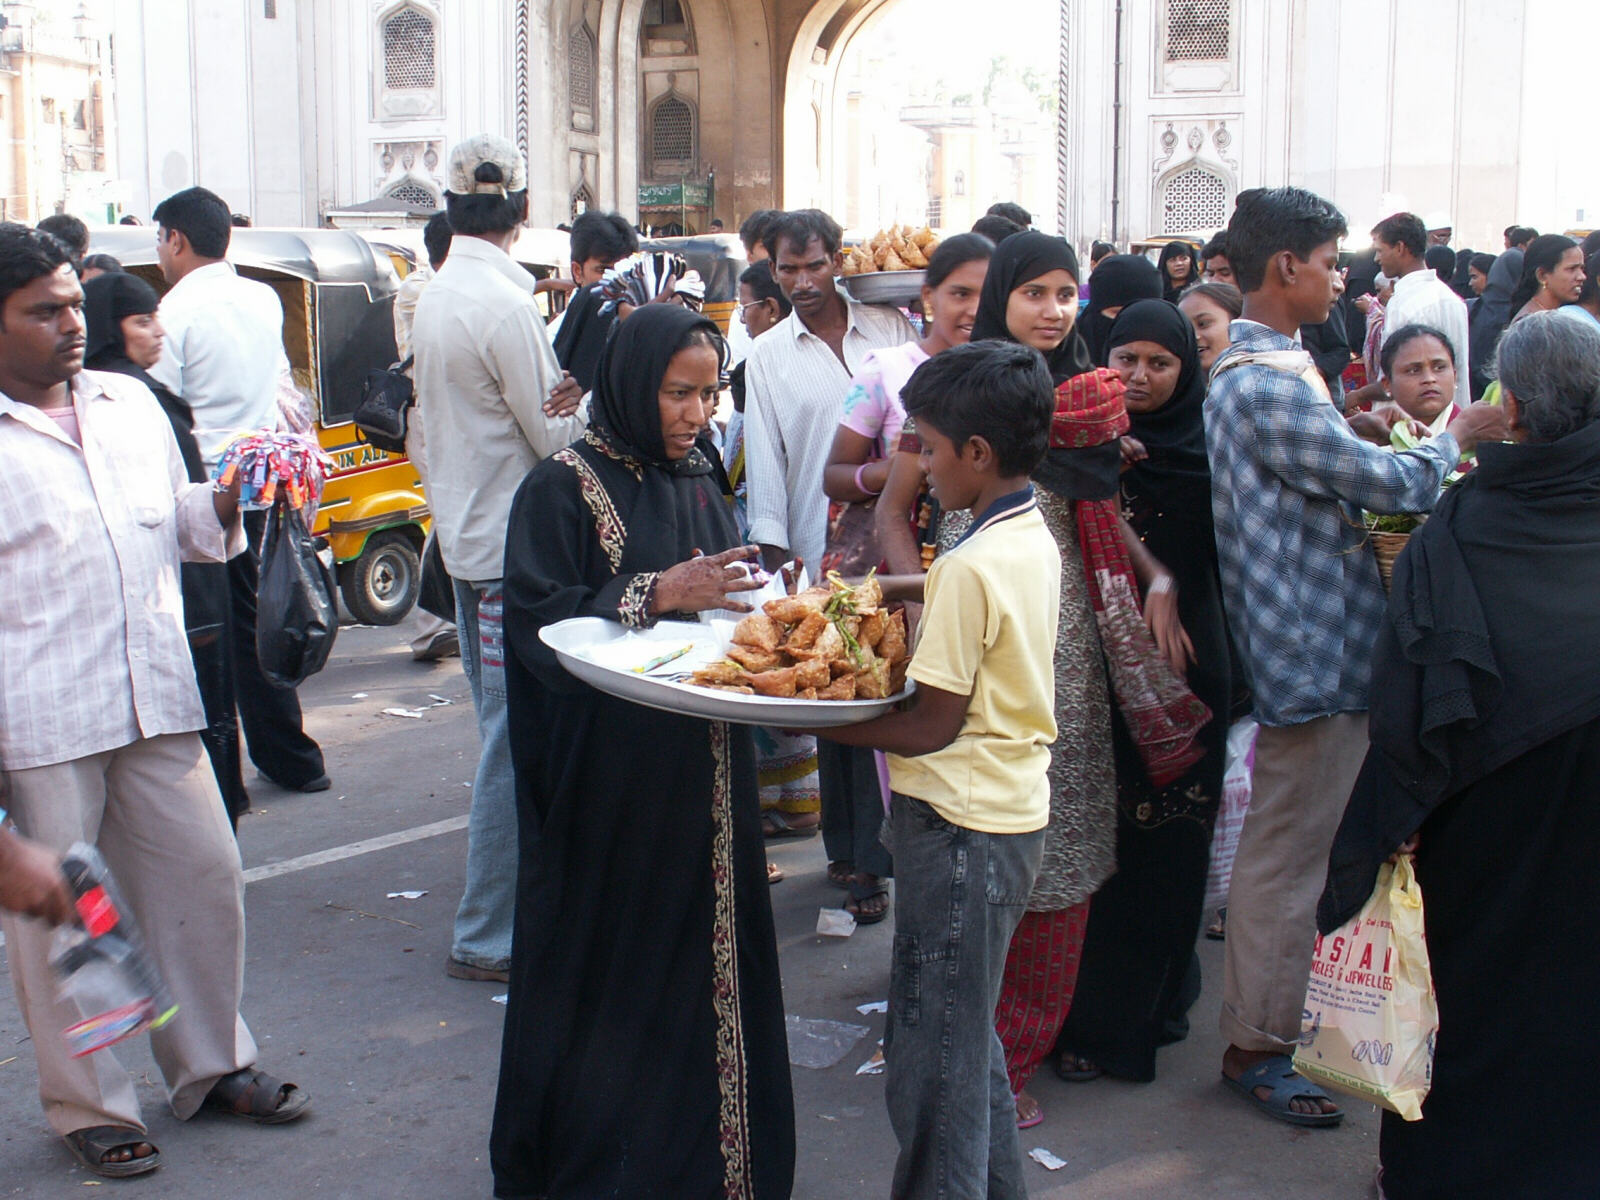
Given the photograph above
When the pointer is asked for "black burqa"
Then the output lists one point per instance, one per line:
(107, 301)
(1486, 739)
(1169, 289)
(1489, 318)
(1117, 282)
(583, 335)
(1144, 920)
(644, 1051)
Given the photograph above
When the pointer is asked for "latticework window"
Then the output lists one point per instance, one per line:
(408, 50)
(672, 132)
(1198, 30)
(414, 194)
(935, 214)
(581, 72)
(582, 200)
(1194, 199)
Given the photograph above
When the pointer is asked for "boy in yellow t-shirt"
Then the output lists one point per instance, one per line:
(967, 764)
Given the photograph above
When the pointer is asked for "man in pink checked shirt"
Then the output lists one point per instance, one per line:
(99, 712)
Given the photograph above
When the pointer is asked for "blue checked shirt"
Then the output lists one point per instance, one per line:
(1288, 483)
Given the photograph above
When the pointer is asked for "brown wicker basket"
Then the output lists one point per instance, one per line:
(1386, 548)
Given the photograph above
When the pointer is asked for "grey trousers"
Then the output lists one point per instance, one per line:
(958, 897)
(153, 811)
(1298, 791)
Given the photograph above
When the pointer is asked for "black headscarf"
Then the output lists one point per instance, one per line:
(107, 300)
(1019, 259)
(1118, 282)
(1175, 433)
(1169, 289)
(625, 408)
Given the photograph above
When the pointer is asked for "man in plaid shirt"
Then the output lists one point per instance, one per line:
(1289, 479)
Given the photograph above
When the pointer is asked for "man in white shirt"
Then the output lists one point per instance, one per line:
(796, 378)
(1420, 296)
(223, 357)
(484, 373)
(99, 712)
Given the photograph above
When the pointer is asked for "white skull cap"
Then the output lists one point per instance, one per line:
(468, 156)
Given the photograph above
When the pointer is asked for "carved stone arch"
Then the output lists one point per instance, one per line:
(407, 60)
(672, 135)
(583, 71)
(1194, 195)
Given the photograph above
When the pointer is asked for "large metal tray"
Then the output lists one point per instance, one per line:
(574, 640)
(899, 288)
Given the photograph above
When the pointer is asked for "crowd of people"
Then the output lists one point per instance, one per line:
(1121, 508)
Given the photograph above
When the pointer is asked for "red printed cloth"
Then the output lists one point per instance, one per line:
(1163, 716)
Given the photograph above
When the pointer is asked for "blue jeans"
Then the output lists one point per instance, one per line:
(958, 897)
(483, 921)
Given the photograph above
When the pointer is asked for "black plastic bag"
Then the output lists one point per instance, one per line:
(296, 618)
(437, 594)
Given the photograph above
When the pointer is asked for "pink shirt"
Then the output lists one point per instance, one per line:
(872, 406)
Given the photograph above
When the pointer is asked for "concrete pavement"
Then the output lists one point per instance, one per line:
(346, 993)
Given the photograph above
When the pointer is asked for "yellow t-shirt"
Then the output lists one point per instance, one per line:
(989, 630)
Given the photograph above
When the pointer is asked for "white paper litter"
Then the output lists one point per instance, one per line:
(835, 922)
(875, 1006)
(414, 714)
(407, 895)
(502, 998)
(438, 700)
(1045, 1159)
(873, 1065)
(359, 696)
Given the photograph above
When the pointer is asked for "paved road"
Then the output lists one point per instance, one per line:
(345, 991)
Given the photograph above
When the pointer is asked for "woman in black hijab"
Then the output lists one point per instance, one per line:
(1119, 281)
(1030, 295)
(124, 335)
(644, 1052)
(1179, 266)
(1145, 918)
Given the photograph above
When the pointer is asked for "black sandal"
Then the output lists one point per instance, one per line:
(91, 1144)
(861, 892)
(257, 1097)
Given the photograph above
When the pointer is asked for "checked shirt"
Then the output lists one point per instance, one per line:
(1288, 485)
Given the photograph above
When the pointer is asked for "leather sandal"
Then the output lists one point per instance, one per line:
(257, 1097)
(91, 1144)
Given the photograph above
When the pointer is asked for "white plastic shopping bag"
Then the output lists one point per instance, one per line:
(1241, 760)
(1370, 1015)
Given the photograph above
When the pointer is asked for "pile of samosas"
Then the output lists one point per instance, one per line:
(825, 643)
(899, 248)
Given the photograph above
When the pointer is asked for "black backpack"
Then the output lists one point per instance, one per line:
(386, 398)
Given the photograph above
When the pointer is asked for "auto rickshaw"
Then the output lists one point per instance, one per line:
(719, 258)
(338, 301)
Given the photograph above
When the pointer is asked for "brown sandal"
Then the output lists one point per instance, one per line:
(257, 1097)
(91, 1145)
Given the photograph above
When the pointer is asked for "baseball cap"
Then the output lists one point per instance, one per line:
(468, 156)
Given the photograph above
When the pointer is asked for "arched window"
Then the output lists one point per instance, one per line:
(414, 194)
(662, 12)
(1198, 30)
(581, 70)
(582, 200)
(672, 136)
(408, 46)
(1194, 198)
(959, 184)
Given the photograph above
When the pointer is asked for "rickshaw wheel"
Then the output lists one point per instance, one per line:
(381, 585)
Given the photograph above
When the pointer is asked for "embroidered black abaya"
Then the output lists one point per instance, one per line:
(644, 1053)
(1144, 919)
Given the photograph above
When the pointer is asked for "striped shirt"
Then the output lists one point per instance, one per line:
(795, 387)
(93, 653)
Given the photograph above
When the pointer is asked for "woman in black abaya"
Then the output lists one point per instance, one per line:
(644, 1051)
(1144, 919)
(1486, 746)
(123, 333)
